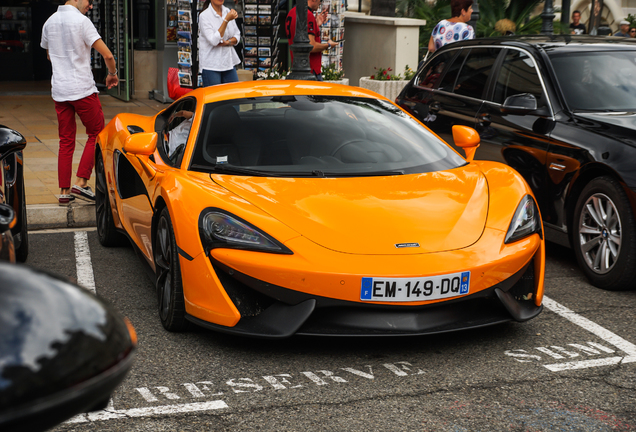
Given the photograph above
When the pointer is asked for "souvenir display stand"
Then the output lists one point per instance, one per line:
(260, 34)
(333, 28)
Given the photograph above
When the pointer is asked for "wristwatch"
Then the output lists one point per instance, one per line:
(112, 73)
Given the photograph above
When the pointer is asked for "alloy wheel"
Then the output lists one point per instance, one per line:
(163, 260)
(600, 233)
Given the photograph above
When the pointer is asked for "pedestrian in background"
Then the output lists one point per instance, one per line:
(218, 33)
(455, 28)
(632, 32)
(624, 31)
(313, 28)
(576, 28)
(68, 36)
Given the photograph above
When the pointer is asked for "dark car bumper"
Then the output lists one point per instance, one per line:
(270, 311)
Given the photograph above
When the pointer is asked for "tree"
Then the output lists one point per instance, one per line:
(518, 11)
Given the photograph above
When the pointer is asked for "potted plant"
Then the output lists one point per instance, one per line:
(387, 84)
(333, 75)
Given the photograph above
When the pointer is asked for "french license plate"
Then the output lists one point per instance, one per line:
(415, 289)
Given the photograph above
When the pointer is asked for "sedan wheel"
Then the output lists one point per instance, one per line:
(604, 236)
(22, 252)
(169, 288)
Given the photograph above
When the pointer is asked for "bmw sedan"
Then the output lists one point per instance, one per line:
(561, 110)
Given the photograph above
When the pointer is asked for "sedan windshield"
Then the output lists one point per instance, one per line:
(316, 136)
(597, 81)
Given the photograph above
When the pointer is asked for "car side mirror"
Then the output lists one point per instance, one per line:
(468, 139)
(519, 104)
(63, 350)
(141, 144)
(10, 141)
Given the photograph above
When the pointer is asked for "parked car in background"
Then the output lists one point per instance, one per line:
(13, 216)
(561, 110)
(277, 208)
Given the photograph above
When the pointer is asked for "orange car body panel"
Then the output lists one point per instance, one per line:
(339, 229)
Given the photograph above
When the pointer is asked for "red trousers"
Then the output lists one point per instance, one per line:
(89, 110)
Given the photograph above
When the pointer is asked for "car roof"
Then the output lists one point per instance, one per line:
(251, 89)
(556, 43)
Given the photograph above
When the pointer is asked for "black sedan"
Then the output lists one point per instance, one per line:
(14, 241)
(561, 110)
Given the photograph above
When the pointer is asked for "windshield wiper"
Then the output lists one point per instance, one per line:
(230, 169)
(366, 174)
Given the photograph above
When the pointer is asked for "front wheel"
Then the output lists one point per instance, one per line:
(604, 235)
(168, 271)
(106, 229)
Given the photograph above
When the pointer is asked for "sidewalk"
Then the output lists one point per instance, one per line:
(27, 107)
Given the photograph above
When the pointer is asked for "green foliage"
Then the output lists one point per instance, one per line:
(331, 73)
(383, 74)
(518, 11)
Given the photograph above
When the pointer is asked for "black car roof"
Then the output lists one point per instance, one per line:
(556, 43)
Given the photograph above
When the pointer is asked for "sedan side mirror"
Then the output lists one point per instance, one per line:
(62, 349)
(141, 144)
(466, 138)
(10, 141)
(519, 104)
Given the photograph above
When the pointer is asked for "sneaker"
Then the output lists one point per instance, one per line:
(83, 192)
(65, 199)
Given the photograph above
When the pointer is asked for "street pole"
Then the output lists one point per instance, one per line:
(547, 16)
(301, 47)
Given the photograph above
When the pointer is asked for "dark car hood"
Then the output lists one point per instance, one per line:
(618, 125)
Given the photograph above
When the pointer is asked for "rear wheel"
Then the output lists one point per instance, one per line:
(106, 230)
(22, 252)
(604, 235)
(169, 287)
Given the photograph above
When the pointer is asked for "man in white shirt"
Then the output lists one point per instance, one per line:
(68, 36)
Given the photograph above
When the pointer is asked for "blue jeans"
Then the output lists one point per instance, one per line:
(211, 77)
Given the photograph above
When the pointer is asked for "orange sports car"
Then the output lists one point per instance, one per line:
(276, 208)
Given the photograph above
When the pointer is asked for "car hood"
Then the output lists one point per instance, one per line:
(620, 125)
(404, 214)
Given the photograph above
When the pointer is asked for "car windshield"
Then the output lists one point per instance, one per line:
(597, 81)
(323, 136)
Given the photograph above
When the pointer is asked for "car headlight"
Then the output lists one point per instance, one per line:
(525, 222)
(219, 229)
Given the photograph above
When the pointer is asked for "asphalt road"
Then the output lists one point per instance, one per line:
(573, 368)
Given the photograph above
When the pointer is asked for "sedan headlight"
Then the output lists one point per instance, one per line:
(525, 222)
(219, 229)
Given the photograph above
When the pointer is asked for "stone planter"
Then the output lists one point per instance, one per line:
(388, 89)
(343, 81)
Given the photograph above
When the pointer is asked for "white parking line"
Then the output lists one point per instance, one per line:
(147, 412)
(83, 262)
(609, 337)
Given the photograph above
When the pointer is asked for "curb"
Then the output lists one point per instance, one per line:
(49, 216)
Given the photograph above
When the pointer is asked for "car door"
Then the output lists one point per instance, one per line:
(458, 92)
(520, 140)
(137, 176)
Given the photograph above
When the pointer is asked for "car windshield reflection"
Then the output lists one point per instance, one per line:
(316, 136)
(597, 81)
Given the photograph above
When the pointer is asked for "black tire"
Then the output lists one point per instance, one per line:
(168, 276)
(604, 235)
(106, 230)
(22, 252)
